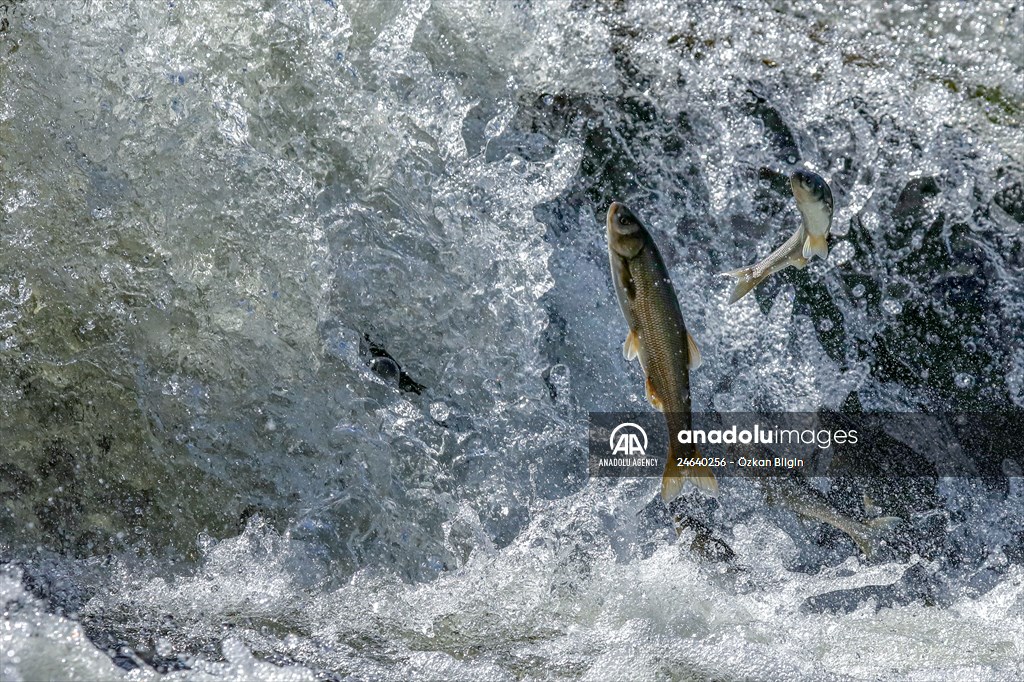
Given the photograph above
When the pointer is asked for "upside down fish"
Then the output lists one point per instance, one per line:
(658, 337)
(814, 201)
(796, 494)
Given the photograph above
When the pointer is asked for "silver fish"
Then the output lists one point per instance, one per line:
(796, 494)
(814, 201)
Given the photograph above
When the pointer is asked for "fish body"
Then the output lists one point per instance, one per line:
(658, 338)
(789, 254)
(797, 495)
(814, 201)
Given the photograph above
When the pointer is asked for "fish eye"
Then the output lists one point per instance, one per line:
(625, 219)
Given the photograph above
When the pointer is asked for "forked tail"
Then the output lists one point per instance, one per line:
(745, 281)
(678, 472)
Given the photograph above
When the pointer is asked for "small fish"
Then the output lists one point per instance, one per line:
(814, 201)
(796, 494)
(658, 337)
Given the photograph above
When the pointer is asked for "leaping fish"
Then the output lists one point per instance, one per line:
(814, 201)
(658, 337)
(797, 494)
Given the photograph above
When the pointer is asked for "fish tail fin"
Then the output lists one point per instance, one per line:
(870, 535)
(815, 245)
(745, 281)
(676, 475)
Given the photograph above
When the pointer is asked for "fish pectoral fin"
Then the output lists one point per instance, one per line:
(653, 398)
(677, 475)
(631, 347)
(694, 353)
(815, 245)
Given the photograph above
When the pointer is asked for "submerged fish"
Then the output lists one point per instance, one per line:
(796, 494)
(814, 201)
(658, 337)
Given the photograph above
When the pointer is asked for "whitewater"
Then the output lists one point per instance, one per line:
(304, 305)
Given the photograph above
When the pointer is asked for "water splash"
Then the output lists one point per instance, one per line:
(324, 285)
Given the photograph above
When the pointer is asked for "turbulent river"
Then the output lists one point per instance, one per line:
(304, 306)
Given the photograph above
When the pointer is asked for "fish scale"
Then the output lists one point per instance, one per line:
(663, 336)
(651, 309)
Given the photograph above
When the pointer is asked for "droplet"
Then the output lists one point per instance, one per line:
(963, 380)
(841, 253)
(857, 291)
(439, 411)
(892, 306)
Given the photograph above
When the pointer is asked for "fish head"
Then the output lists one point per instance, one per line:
(814, 199)
(626, 234)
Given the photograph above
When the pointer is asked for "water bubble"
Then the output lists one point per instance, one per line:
(841, 253)
(825, 324)
(173, 385)
(892, 306)
(439, 411)
(386, 368)
(164, 647)
(857, 291)
(558, 382)
(963, 380)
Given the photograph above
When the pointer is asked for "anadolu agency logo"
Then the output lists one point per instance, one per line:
(628, 446)
(625, 440)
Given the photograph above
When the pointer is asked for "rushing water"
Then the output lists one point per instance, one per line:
(303, 306)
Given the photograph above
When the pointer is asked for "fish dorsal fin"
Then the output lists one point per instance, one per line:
(694, 353)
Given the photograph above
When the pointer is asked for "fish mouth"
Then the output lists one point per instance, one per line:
(612, 211)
